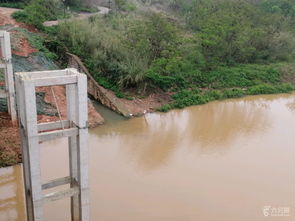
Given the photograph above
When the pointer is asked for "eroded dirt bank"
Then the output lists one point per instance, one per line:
(24, 56)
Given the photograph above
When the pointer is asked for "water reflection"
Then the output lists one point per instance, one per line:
(211, 128)
(185, 165)
(11, 194)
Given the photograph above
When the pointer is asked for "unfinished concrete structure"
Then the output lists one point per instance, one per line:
(32, 133)
(6, 65)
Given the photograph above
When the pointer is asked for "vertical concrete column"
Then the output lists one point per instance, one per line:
(33, 150)
(30, 148)
(83, 155)
(26, 168)
(71, 93)
(9, 77)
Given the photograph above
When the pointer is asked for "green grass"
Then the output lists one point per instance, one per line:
(18, 5)
(84, 9)
(186, 98)
(37, 41)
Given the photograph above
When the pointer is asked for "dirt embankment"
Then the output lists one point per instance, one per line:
(9, 136)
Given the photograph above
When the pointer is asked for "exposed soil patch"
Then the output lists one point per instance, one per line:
(94, 118)
(139, 106)
(6, 19)
(20, 45)
(5, 16)
(10, 152)
(23, 48)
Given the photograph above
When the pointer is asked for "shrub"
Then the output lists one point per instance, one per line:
(285, 88)
(165, 108)
(163, 82)
(19, 5)
(213, 95)
(187, 98)
(38, 11)
(270, 89)
(233, 93)
(262, 89)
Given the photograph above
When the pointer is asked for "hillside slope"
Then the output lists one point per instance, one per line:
(28, 58)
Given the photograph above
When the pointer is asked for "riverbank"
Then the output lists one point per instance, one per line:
(174, 77)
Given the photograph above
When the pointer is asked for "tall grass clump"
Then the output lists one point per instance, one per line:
(119, 48)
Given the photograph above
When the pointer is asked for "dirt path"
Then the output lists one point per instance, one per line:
(5, 16)
(83, 15)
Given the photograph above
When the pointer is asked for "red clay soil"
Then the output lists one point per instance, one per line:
(6, 19)
(94, 118)
(24, 49)
(5, 16)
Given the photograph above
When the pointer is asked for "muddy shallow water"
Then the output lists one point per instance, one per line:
(226, 160)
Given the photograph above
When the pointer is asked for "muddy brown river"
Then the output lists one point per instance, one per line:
(224, 161)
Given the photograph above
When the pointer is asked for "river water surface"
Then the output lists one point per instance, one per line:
(223, 161)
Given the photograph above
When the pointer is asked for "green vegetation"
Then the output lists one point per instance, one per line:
(13, 4)
(39, 11)
(36, 40)
(199, 50)
(195, 97)
(36, 12)
(8, 158)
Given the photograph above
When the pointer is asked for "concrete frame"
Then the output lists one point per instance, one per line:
(75, 128)
(8, 72)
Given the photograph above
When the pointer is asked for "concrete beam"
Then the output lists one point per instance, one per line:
(57, 182)
(60, 194)
(52, 135)
(57, 125)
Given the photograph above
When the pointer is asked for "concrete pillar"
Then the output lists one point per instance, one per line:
(8, 71)
(75, 128)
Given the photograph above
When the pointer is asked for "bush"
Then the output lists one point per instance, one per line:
(165, 108)
(233, 93)
(270, 89)
(187, 98)
(262, 89)
(121, 48)
(39, 11)
(212, 95)
(236, 31)
(19, 5)
(163, 82)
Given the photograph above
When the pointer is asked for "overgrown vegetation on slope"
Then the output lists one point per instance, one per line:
(35, 12)
(201, 50)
